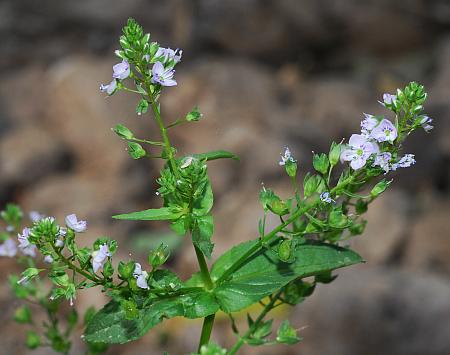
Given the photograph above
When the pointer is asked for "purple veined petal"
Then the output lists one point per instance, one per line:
(121, 70)
(357, 140)
(48, 259)
(369, 122)
(348, 155)
(358, 163)
(73, 223)
(385, 131)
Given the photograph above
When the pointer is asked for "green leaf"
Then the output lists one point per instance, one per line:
(153, 214)
(264, 273)
(136, 151)
(216, 154)
(321, 163)
(287, 334)
(203, 204)
(110, 325)
(202, 233)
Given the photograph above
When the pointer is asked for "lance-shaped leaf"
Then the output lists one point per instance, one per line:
(264, 273)
(216, 154)
(112, 325)
(153, 214)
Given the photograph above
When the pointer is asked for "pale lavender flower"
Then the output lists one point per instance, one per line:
(425, 123)
(25, 246)
(287, 157)
(99, 257)
(121, 70)
(405, 162)
(162, 76)
(110, 88)
(359, 150)
(73, 223)
(36, 216)
(59, 243)
(382, 160)
(8, 248)
(48, 259)
(388, 99)
(140, 276)
(167, 53)
(368, 124)
(325, 197)
(384, 132)
(10, 229)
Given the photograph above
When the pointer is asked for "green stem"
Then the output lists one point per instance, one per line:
(208, 323)
(268, 238)
(203, 268)
(255, 325)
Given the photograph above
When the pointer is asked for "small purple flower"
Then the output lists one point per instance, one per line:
(140, 276)
(368, 124)
(110, 88)
(388, 99)
(384, 132)
(287, 157)
(162, 76)
(425, 123)
(121, 70)
(73, 223)
(382, 160)
(36, 216)
(359, 150)
(325, 197)
(8, 248)
(168, 53)
(25, 246)
(99, 257)
(405, 162)
(48, 259)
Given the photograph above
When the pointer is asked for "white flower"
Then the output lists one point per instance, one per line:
(382, 160)
(359, 150)
(140, 276)
(25, 246)
(405, 162)
(384, 132)
(48, 259)
(99, 257)
(8, 248)
(73, 223)
(287, 157)
(36, 216)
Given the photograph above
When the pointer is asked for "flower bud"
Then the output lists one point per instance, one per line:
(33, 340)
(380, 188)
(335, 153)
(22, 315)
(126, 270)
(291, 168)
(321, 163)
(285, 250)
(158, 256)
(123, 132)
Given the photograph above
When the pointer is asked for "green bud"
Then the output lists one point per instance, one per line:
(108, 269)
(335, 153)
(291, 168)
(285, 250)
(286, 334)
(278, 207)
(194, 115)
(126, 269)
(142, 107)
(135, 150)
(33, 340)
(380, 188)
(312, 184)
(325, 277)
(357, 228)
(361, 206)
(337, 219)
(321, 163)
(123, 132)
(159, 256)
(130, 308)
(22, 315)
(29, 274)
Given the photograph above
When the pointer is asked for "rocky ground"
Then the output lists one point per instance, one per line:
(265, 74)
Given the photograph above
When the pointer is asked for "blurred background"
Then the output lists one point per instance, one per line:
(265, 74)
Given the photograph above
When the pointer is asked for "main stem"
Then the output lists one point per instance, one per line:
(208, 322)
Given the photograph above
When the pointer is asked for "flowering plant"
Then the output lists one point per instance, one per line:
(279, 266)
